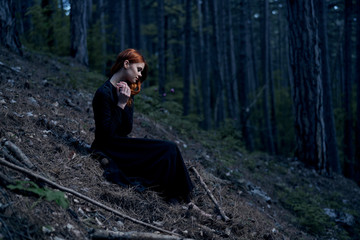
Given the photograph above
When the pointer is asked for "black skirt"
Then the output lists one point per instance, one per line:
(147, 163)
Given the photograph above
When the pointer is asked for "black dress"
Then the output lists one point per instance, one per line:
(140, 162)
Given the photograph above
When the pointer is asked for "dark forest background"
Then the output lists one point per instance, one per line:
(281, 76)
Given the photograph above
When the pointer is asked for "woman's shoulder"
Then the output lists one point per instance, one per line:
(104, 89)
(104, 92)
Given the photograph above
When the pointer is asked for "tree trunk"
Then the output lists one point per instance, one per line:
(332, 153)
(161, 48)
(206, 71)
(348, 145)
(8, 34)
(137, 24)
(268, 134)
(246, 76)
(305, 62)
(78, 28)
(357, 163)
(121, 28)
(204, 80)
(187, 65)
(219, 78)
(102, 31)
(224, 42)
(24, 19)
(233, 80)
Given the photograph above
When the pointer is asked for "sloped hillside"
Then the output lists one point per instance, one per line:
(51, 122)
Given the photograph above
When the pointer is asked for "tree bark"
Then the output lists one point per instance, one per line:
(233, 80)
(305, 62)
(161, 48)
(332, 153)
(187, 65)
(78, 28)
(206, 79)
(357, 161)
(121, 29)
(8, 34)
(103, 32)
(203, 58)
(246, 74)
(137, 24)
(348, 145)
(268, 134)
(47, 12)
(219, 78)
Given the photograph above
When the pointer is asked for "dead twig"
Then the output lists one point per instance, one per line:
(79, 195)
(11, 158)
(104, 234)
(192, 206)
(223, 216)
(19, 154)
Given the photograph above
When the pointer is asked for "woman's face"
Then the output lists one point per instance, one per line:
(133, 71)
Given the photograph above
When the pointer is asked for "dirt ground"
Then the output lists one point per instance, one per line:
(53, 126)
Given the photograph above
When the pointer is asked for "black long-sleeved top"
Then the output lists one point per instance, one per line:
(111, 121)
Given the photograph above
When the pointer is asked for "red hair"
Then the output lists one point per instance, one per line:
(133, 56)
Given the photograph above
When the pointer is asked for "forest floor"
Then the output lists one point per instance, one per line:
(51, 122)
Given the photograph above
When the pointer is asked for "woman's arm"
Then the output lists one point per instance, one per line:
(110, 119)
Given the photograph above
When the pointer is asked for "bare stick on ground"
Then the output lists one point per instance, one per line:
(222, 213)
(19, 154)
(11, 158)
(103, 234)
(79, 195)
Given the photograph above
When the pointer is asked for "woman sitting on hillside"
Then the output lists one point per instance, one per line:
(138, 162)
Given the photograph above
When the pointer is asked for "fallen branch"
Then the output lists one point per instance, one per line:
(192, 206)
(79, 195)
(224, 217)
(104, 234)
(11, 158)
(19, 154)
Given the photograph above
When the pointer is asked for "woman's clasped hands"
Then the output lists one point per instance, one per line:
(123, 93)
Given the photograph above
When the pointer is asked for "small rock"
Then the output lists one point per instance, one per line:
(340, 217)
(48, 229)
(77, 233)
(16, 69)
(69, 226)
(32, 101)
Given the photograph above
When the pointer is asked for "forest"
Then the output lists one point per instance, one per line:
(282, 75)
(274, 77)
